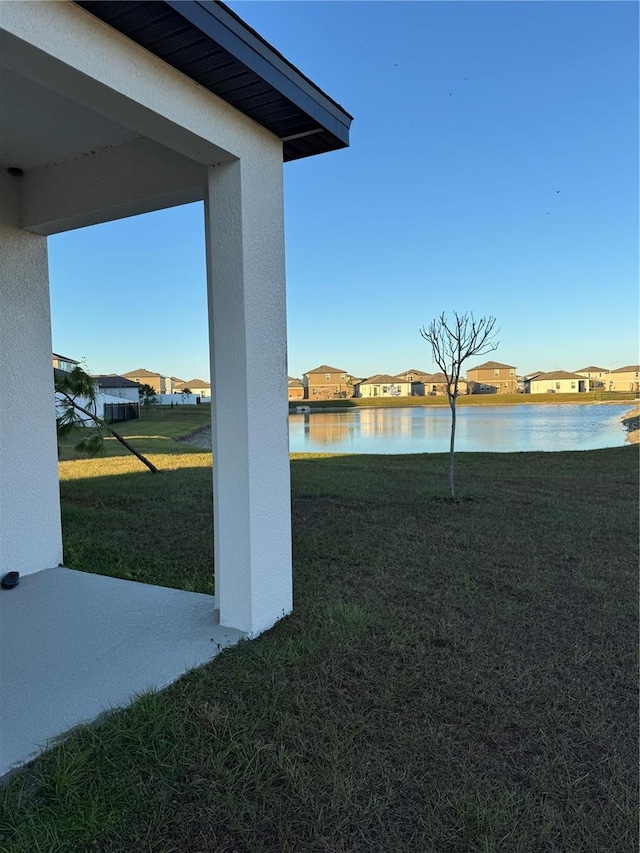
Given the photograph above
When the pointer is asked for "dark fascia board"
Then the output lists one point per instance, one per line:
(327, 123)
(218, 22)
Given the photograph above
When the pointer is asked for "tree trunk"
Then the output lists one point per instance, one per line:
(99, 422)
(452, 403)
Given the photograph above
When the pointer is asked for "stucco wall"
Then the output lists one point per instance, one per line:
(30, 533)
(73, 54)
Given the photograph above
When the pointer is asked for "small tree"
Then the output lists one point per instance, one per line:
(147, 396)
(452, 343)
(77, 386)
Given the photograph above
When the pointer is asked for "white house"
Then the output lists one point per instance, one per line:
(383, 385)
(111, 110)
(558, 382)
(199, 387)
(117, 386)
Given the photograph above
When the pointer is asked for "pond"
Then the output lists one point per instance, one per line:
(426, 429)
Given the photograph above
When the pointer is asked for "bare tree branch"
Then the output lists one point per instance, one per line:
(452, 343)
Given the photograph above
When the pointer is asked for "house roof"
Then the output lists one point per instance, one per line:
(142, 371)
(556, 374)
(213, 46)
(324, 368)
(293, 381)
(630, 368)
(491, 365)
(64, 358)
(193, 383)
(380, 379)
(592, 369)
(440, 377)
(112, 380)
(412, 370)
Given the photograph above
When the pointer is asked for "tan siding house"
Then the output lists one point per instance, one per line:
(160, 384)
(435, 385)
(595, 375)
(623, 379)
(295, 389)
(416, 378)
(327, 383)
(492, 377)
(63, 362)
(558, 382)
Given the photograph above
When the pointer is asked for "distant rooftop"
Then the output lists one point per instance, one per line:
(324, 368)
(113, 380)
(492, 365)
(592, 369)
(557, 374)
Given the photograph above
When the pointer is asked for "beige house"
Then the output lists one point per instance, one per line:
(411, 375)
(295, 388)
(63, 362)
(492, 377)
(160, 384)
(595, 375)
(623, 379)
(199, 387)
(416, 378)
(383, 385)
(435, 385)
(327, 383)
(558, 382)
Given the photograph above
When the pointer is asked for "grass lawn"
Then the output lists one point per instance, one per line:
(469, 400)
(455, 677)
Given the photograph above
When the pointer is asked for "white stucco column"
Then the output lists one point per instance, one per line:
(247, 316)
(30, 530)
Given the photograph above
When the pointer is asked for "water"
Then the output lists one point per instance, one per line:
(500, 429)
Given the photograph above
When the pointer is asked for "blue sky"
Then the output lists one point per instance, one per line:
(493, 168)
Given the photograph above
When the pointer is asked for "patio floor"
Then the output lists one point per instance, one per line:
(73, 645)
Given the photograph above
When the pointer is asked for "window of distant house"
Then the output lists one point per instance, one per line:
(343, 377)
(557, 386)
(512, 372)
(327, 377)
(496, 373)
(573, 386)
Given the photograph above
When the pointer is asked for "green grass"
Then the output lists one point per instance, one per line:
(455, 677)
(154, 432)
(468, 400)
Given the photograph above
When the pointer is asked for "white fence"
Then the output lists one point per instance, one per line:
(181, 399)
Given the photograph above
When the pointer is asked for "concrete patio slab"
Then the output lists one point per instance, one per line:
(74, 644)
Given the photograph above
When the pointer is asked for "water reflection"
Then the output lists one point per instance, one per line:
(479, 428)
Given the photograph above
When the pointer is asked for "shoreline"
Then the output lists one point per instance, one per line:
(315, 408)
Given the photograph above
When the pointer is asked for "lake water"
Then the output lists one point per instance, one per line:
(500, 429)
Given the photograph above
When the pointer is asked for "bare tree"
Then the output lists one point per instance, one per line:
(452, 343)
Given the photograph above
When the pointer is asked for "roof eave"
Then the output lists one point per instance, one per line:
(316, 123)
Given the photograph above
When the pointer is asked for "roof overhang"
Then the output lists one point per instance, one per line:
(207, 42)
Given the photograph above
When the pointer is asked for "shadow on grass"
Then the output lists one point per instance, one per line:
(453, 677)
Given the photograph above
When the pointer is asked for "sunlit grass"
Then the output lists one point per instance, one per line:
(455, 678)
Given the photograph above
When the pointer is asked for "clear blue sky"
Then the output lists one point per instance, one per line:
(493, 168)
